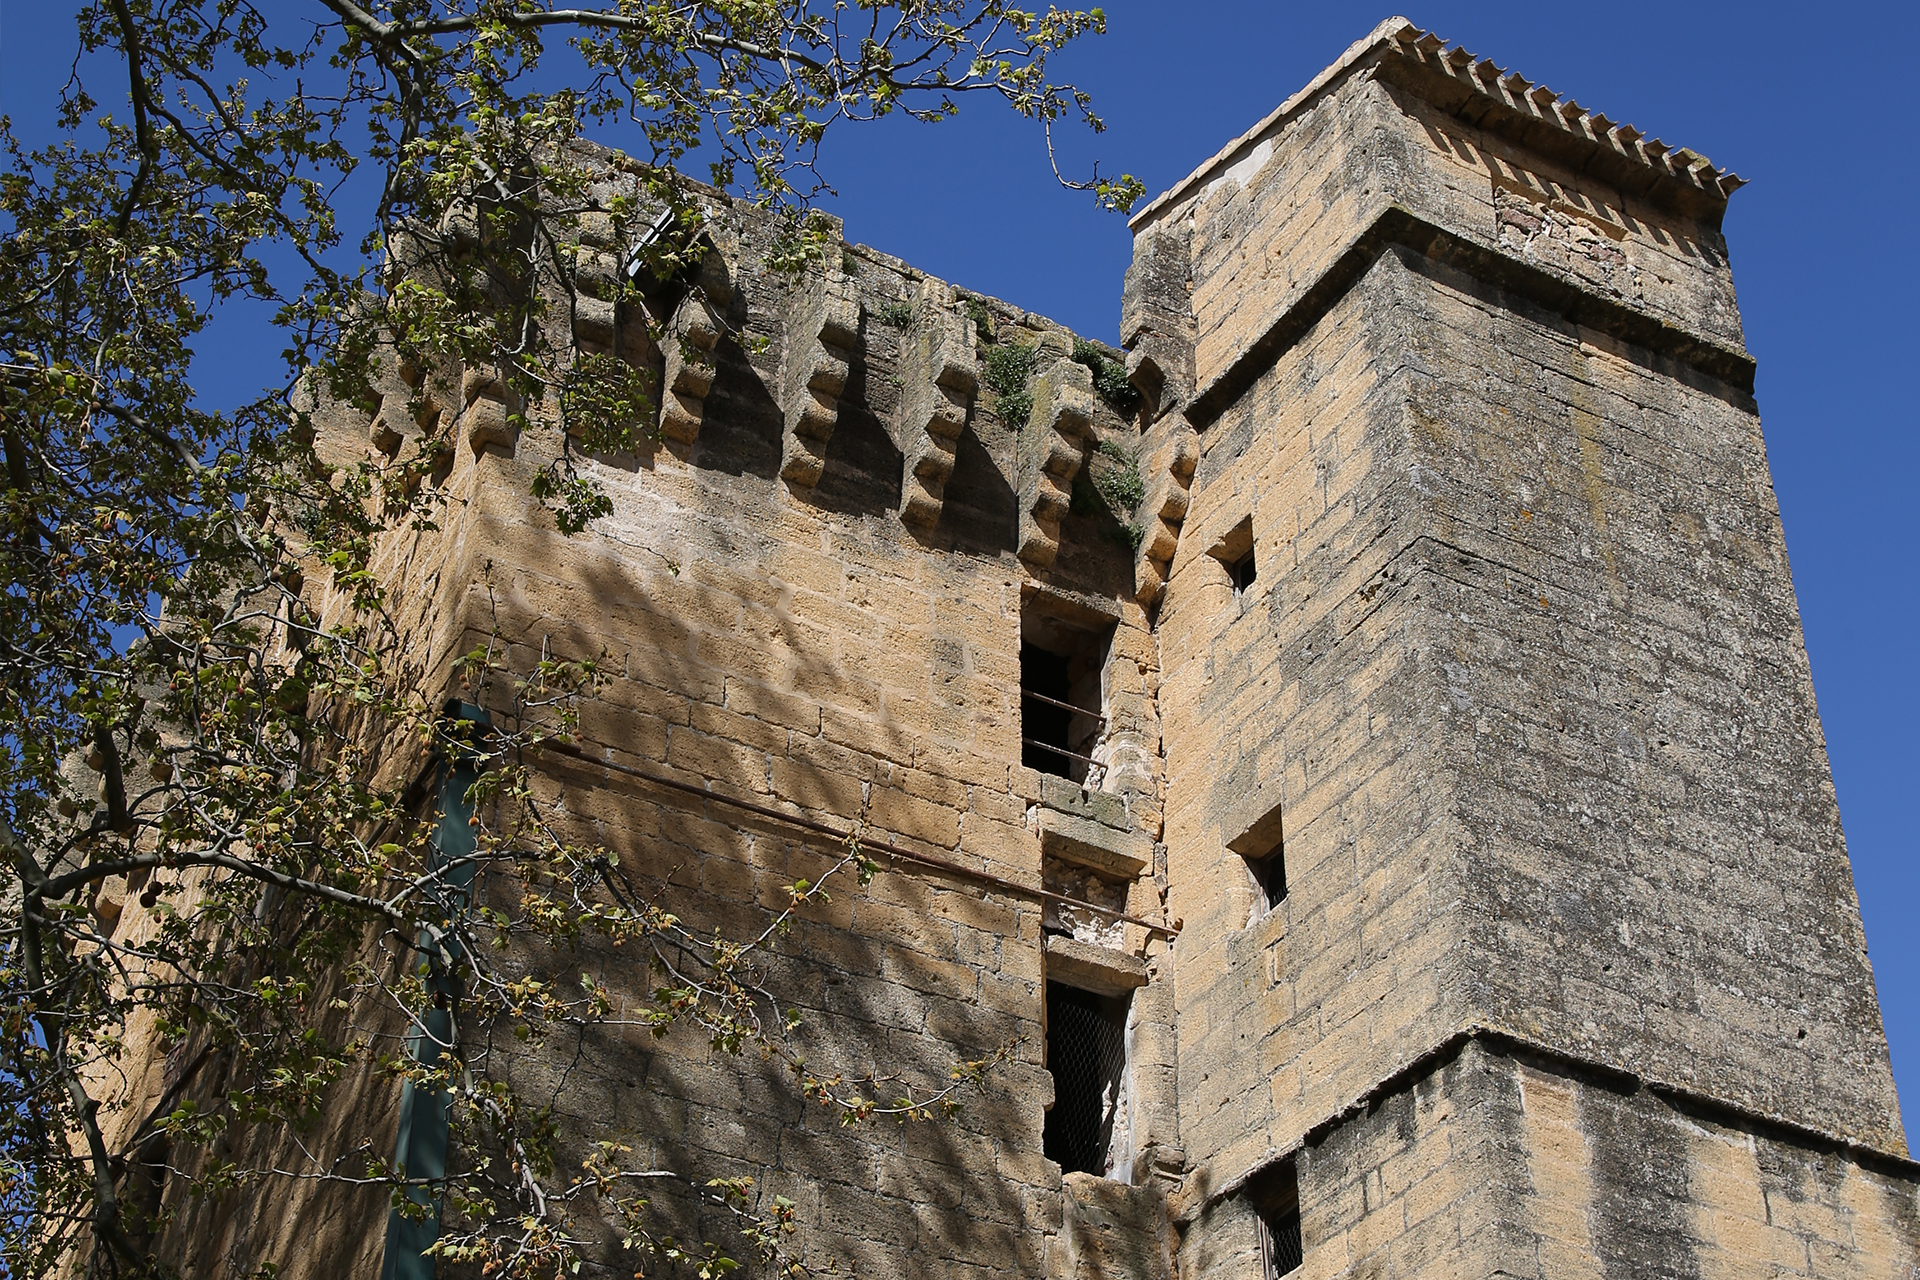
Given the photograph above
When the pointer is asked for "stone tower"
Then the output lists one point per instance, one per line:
(1369, 771)
(1481, 621)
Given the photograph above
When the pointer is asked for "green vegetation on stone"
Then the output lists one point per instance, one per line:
(1005, 369)
(1109, 377)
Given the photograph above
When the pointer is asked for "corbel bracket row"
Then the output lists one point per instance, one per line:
(941, 372)
(823, 328)
(1053, 446)
(1169, 492)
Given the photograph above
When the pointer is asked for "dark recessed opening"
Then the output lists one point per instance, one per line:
(1087, 1054)
(1045, 721)
(1235, 552)
(1062, 679)
(1274, 1193)
(1242, 572)
(1270, 873)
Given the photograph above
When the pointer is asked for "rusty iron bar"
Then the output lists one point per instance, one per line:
(1064, 706)
(840, 837)
(1048, 746)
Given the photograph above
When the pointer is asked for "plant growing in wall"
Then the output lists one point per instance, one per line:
(1006, 368)
(1109, 377)
(234, 826)
(1111, 486)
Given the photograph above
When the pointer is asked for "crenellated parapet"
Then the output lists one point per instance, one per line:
(1169, 478)
(1052, 448)
(822, 329)
(939, 371)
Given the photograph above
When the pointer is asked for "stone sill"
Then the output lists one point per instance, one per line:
(1091, 829)
(1100, 970)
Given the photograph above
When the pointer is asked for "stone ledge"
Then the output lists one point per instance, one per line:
(1101, 970)
(1122, 855)
(1067, 796)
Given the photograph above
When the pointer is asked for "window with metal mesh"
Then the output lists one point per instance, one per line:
(1275, 1195)
(1087, 1053)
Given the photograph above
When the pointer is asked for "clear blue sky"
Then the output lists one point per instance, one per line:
(1811, 103)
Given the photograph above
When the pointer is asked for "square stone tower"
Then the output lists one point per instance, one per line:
(1353, 767)
(1519, 933)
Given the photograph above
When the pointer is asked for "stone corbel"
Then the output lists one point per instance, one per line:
(488, 411)
(1156, 320)
(597, 280)
(1170, 472)
(823, 326)
(691, 334)
(940, 370)
(408, 407)
(1052, 448)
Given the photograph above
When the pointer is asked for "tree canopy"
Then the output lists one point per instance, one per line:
(207, 842)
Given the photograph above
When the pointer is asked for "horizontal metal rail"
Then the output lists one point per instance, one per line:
(1064, 706)
(840, 837)
(1062, 751)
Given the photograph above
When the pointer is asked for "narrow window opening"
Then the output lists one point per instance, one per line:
(1235, 552)
(1062, 691)
(1270, 874)
(1243, 574)
(1046, 716)
(1087, 1054)
(1275, 1196)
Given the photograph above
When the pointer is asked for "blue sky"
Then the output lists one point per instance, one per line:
(1810, 103)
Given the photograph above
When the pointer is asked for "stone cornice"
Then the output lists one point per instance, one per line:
(1503, 1041)
(1495, 99)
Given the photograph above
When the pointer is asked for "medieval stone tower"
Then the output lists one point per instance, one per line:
(1370, 768)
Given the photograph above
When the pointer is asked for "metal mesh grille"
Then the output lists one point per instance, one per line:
(1087, 1052)
(1275, 1195)
(1280, 1242)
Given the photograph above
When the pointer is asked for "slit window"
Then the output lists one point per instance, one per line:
(1242, 573)
(1087, 1054)
(1062, 677)
(1269, 872)
(1235, 552)
(1275, 1196)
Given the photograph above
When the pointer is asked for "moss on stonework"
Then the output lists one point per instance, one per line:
(1120, 484)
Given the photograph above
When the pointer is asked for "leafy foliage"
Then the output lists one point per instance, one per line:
(1109, 377)
(211, 711)
(1005, 369)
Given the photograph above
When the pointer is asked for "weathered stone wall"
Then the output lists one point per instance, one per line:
(1569, 977)
(778, 622)
(1492, 1160)
(1519, 682)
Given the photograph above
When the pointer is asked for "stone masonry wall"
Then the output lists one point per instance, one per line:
(778, 631)
(1519, 684)
(1494, 1161)
(1568, 979)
